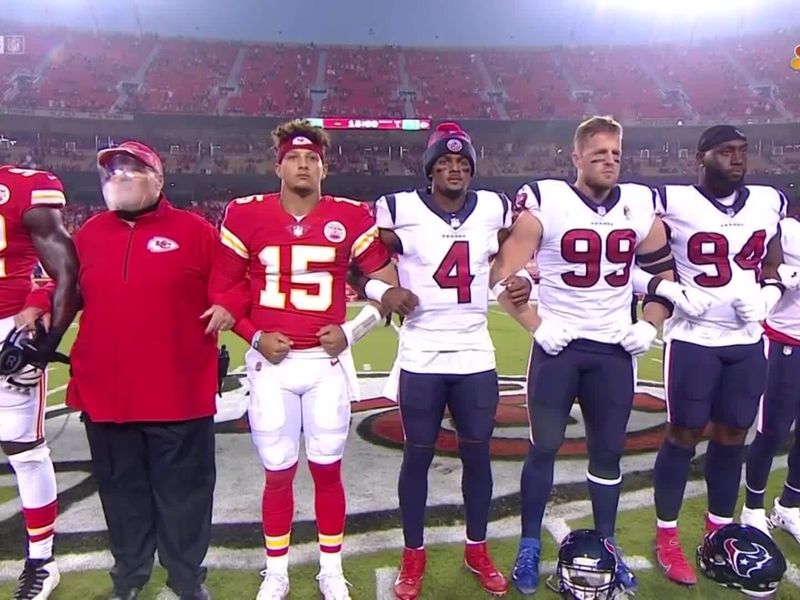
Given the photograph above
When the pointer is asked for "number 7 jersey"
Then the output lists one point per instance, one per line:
(718, 247)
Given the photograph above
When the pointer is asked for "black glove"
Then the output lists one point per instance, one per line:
(42, 348)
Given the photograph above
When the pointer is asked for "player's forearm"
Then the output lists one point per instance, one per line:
(245, 329)
(655, 313)
(228, 271)
(236, 300)
(524, 314)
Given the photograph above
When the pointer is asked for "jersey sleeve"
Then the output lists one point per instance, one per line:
(386, 212)
(34, 189)
(784, 204)
(367, 251)
(234, 228)
(505, 221)
(528, 198)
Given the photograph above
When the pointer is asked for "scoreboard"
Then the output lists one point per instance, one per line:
(358, 123)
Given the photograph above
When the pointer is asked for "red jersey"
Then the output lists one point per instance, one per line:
(298, 265)
(20, 191)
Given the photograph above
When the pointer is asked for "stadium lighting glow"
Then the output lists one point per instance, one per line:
(678, 7)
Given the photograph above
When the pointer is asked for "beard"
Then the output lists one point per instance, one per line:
(128, 196)
(719, 181)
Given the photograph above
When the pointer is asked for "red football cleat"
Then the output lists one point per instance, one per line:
(671, 557)
(408, 584)
(711, 526)
(477, 560)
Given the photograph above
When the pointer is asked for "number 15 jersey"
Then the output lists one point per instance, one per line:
(586, 253)
(718, 247)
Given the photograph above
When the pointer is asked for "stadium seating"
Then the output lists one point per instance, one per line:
(747, 78)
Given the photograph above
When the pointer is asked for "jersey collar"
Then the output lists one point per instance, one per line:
(742, 194)
(604, 207)
(455, 219)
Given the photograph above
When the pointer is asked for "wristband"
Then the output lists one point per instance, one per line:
(375, 289)
(256, 338)
(362, 324)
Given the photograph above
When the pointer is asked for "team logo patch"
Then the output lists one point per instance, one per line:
(454, 145)
(5, 194)
(161, 244)
(334, 232)
(301, 141)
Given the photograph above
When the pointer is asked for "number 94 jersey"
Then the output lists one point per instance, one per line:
(586, 253)
(718, 248)
(444, 260)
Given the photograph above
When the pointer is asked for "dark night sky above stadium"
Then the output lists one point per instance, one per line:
(421, 22)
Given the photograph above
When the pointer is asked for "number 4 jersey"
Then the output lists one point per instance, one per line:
(20, 191)
(445, 262)
(298, 265)
(586, 253)
(718, 246)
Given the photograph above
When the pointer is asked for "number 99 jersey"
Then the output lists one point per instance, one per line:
(718, 247)
(444, 260)
(586, 253)
(20, 191)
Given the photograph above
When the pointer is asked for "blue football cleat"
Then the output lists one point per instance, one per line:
(525, 574)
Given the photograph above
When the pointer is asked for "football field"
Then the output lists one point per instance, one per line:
(373, 457)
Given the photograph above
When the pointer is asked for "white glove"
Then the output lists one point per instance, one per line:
(24, 380)
(754, 309)
(639, 337)
(553, 337)
(691, 301)
(790, 276)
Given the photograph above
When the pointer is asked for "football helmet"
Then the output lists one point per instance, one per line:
(742, 557)
(586, 567)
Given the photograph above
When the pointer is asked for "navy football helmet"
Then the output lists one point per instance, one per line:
(586, 567)
(742, 557)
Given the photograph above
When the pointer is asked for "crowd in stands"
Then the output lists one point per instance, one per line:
(745, 78)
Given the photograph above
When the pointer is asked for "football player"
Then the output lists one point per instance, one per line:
(725, 242)
(445, 236)
(296, 247)
(780, 406)
(587, 236)
(31, 229)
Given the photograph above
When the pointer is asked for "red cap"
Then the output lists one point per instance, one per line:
(138, 150)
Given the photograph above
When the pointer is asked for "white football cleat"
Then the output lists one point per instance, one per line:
(274, 587)
(333, 585)
(756, 517)
(787, 519)
(38, 579)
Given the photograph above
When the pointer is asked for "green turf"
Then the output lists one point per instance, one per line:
(445, 578)
(7, 493)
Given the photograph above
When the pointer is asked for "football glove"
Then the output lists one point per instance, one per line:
(638, 338)
(790, 276)
(553, 337)
(755, 308)
(691, 301)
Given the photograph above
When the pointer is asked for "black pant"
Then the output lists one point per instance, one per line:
(156, 484)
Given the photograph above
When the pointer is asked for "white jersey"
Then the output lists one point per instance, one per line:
(586, 254)
(445, 261)
(785, 317)
(718, 248)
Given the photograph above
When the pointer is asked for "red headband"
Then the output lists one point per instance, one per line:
(299, 142)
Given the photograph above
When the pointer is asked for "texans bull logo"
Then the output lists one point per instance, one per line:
(745, 562)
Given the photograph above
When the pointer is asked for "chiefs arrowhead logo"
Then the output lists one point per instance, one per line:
(161, 244)
(301, 141)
